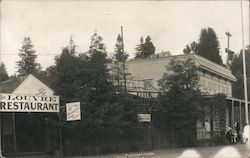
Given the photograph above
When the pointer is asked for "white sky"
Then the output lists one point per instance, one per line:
(170, 24)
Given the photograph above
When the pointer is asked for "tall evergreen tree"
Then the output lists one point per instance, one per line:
(104, 112)
(148, 48)
(72, 46)
(97, 45)
(120, 54)
(97, 62)
(138, 49)
(209, 46)
(180, 81)
(3, 73)
(65, 79)
(65, 75)
(144, 50)
(237, 70)
(85, 78)
(27, 64)
(119, 64)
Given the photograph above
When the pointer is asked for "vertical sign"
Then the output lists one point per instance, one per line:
(73, 111)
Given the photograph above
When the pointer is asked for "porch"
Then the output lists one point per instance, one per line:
(221, 117)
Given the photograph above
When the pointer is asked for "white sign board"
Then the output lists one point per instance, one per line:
(73, 111)
(28, 103)
(144, 117)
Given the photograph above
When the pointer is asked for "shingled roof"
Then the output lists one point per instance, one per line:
(11, 84)
(211, 66)
(201, 62)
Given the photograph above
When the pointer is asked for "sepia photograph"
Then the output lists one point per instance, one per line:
(124, 78)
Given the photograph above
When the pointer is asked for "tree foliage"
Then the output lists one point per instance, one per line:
(65, 75)
(187, 50)
(96, 44)
(98, 74)
(27, 64)
(120, 55)
(85, 78)
(208, 46)
(106, 114)
(119, 68)
(217, 114)
(146, 49)
(3, 73)
(138, 49)
(179, 103)
(193, 47)
(237, 70)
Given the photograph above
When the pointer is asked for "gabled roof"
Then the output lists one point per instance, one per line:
(214, 68)
(11, 84)
(25, 85)
(32, 85)
(201, 62)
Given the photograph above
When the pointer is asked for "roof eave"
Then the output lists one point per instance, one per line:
(231, 78)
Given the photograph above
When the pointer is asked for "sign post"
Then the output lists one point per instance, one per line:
(1, 156)
(146, 118)
(73, 113)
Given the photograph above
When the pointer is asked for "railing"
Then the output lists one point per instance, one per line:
(136, 85)
(204, 135)
(201, 135)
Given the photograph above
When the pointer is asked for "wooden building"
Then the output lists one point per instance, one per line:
(142, 75)
(11, 137)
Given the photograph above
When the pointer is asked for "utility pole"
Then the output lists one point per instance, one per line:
(228, 51)
(123, 62)
(1, 156)
(60, 115)
(228, 38)
(245, 78)
(71, 43)
(0, 36)
(244, 66)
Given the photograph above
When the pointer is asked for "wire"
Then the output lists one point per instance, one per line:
(35, 54)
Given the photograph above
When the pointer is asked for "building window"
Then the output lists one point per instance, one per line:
(214, 87)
